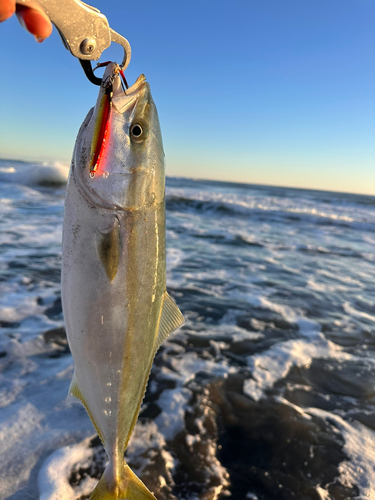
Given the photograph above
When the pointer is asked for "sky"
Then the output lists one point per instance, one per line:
(278, 92)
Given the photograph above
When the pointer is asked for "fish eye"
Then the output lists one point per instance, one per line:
(137, 131)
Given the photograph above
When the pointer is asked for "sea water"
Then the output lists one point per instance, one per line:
(268, 390)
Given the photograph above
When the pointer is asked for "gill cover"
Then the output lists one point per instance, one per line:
(118, 157)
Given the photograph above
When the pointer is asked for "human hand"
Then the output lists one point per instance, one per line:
(32, 19)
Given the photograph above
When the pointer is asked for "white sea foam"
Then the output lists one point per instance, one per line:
(27, 307)
(20, 303)
(146, 437)
(171, 420)
(174, 258)
(315, 284)
(361, 314)
(307, 327)
(34, 417)
(359, 445)
(173, 402)
(228, 329)
(275, 363)
(53, 477)
(359, 469)
(35, 174)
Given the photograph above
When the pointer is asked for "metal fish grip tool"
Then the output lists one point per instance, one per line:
(84, 30)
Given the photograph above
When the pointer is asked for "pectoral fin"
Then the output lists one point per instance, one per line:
(170, 320)
(109, 250)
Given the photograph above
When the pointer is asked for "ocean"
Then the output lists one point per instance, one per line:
(267, 392)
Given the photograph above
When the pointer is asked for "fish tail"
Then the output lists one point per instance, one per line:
(127, 486)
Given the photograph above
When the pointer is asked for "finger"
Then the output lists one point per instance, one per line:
(7, 8)
(34, 21)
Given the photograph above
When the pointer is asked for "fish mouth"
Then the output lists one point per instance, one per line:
(111, 94)
(126, 100)
(137, 86)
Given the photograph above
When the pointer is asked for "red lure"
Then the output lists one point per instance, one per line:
(99, 139)
(101, 134)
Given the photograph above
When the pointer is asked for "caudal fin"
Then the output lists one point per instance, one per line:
(129, 486)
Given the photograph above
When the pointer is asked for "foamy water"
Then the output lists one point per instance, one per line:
(34, 174)
(271, 380)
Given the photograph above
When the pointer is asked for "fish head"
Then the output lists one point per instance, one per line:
(119, 158)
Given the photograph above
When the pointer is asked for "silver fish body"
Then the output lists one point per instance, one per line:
(116, 308)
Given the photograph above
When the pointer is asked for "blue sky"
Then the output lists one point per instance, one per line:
(277, 92)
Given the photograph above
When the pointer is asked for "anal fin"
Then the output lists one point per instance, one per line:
(170, 319)
(75, 391)
(74, 394)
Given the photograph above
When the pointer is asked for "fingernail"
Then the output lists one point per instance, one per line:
(39, 39)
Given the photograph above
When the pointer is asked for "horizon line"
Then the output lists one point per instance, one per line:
(204, 179)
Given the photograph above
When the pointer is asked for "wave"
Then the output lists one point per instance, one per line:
(270, 207)
(34, 174)
(181, 202)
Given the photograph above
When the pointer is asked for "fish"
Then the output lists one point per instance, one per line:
(116, 308)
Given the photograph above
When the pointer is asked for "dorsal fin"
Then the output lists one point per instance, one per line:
(170, 320)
